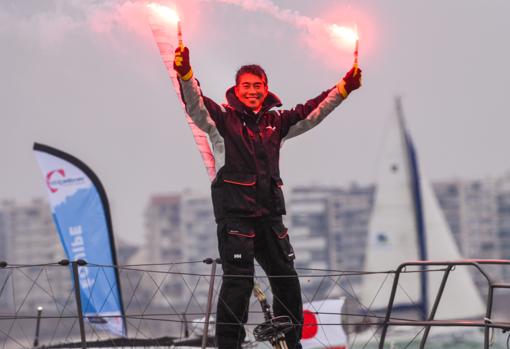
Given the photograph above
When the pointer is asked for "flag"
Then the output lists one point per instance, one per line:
(322, 326)
(82, 217)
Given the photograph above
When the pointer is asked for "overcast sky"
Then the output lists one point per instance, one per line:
(85, 76)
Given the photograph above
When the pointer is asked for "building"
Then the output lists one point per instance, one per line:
(29, 237)
(308, 210)
(349, 219)
(328, 230)
(471, 211)
(503, 222)
(181, 233)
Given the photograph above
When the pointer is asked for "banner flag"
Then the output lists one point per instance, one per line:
(82, 217)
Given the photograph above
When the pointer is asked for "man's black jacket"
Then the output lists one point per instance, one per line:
(246, 146)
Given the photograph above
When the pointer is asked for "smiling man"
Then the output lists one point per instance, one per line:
(246, 135)
(251, 89)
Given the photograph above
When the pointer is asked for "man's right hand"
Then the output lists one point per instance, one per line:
(181, 63)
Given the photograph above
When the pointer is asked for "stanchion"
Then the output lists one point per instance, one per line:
(209, 299)
(77, 294)
(37, 326)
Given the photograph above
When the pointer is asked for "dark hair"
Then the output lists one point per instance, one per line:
(254, 69)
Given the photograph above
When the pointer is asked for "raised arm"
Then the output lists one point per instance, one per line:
(306, 116)
(204, 112)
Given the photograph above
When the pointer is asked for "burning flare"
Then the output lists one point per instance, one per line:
(347, 37)
(165, 13)
(168, 15)
(345, 34)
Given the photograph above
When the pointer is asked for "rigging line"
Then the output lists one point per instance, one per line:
(76, 317)
(411, 300)
(168, 272)
(129, 266)
(192, 298)
(325, 345)
(280, 276)
(359, 273)
(160, 291)
(52, 293)
(327, 295)
(368, 309)
(368, 314)
(4, 284)
(35, 281)
(145, 335)
(355, 297)
(69, 295)
(92, 328)
(89, 299)
(23, 332)
(7, 336)
(149, 318)
(318, 289)
(96, 333)
(238, 323)
(415, 336)
(133, 292)
(110, 291)
(336, 282)
(354, 272)
(135, 297)
(159, 315)
(138, 328)
(71, 329)
(23, 266)
(374, 335)
(22, 303)
(91, 325)
(139, 325)
(352, 290)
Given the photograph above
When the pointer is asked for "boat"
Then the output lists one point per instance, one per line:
(407, 224)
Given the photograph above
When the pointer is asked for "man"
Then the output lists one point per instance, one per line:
(246, 135)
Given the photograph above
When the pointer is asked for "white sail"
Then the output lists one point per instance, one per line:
(407, 225)
(461, 299)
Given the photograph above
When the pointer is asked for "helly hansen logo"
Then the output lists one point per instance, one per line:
(238, 256)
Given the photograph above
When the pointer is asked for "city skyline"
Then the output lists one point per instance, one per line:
(86, 77)
(328, 228)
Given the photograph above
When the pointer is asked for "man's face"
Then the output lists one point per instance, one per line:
(251, 91)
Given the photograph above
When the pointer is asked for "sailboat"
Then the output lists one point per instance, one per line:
(407, 225)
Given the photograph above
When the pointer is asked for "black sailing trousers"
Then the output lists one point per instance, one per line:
(240, 241)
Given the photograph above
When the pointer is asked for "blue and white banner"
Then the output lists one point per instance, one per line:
(82, 217)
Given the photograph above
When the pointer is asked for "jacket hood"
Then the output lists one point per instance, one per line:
(271, 101)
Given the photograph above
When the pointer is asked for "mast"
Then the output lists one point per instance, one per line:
(419, 219)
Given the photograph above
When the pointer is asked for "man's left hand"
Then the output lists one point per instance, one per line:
(350, 82)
